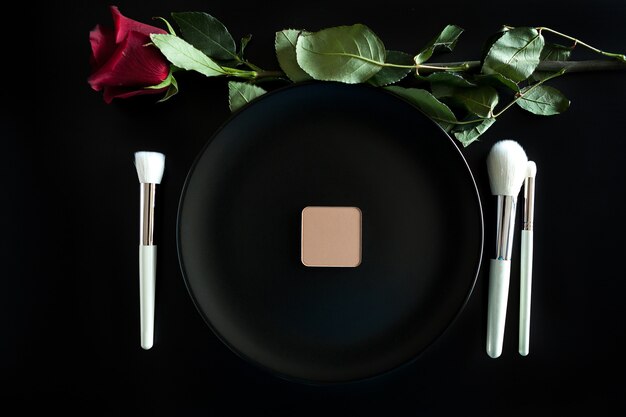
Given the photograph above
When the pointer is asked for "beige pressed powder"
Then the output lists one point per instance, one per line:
(331, 236)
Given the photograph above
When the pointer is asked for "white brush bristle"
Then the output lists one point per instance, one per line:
(150, 167)
(531, 169)
(506, 165)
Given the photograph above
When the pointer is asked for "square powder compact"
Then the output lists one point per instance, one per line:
(331, 236)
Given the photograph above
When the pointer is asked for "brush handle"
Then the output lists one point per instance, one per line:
(526, 269)
(147, 280)
(499, 277)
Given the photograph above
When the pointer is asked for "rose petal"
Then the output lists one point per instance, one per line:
(102, 41)
(124, 25)
(119, 92)
(133, 64)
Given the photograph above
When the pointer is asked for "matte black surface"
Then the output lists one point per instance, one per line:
(69, 313)
(327, 144)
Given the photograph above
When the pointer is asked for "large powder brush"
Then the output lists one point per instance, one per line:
(507, 168)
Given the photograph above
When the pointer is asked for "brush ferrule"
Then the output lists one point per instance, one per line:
(146, 214)
(529, 203)
(505, 226)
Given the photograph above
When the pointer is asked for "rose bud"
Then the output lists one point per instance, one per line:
(123, 61)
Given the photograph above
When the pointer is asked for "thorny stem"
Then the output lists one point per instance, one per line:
(469, 66)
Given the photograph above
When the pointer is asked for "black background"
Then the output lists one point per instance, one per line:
(69, 332)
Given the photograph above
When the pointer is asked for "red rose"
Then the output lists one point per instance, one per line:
(122, 62)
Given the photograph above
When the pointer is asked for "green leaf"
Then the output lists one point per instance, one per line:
(207, 34)
(543, 100)
(491, 40)
(349, 54)
(446, 84)
(449, 78)
(390, 75)
(468, 133)
(551, 52)
(515, 55)
(440, 90)
(240, 94)
(478, 100)
(427, 103)
(555, 52)
(496, 80)
(285, 45)
(184, 55)
(447, 39)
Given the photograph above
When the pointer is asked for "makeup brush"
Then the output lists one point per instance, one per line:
(526, 259)
(150, 166)
(506, 165)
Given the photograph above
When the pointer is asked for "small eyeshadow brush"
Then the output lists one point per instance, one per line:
(150, 167)
(526, 259)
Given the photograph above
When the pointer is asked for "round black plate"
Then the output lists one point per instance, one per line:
(327, 144)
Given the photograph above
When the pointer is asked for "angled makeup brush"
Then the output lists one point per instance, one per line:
(506, 165)
(526, 259)
(150, 166)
